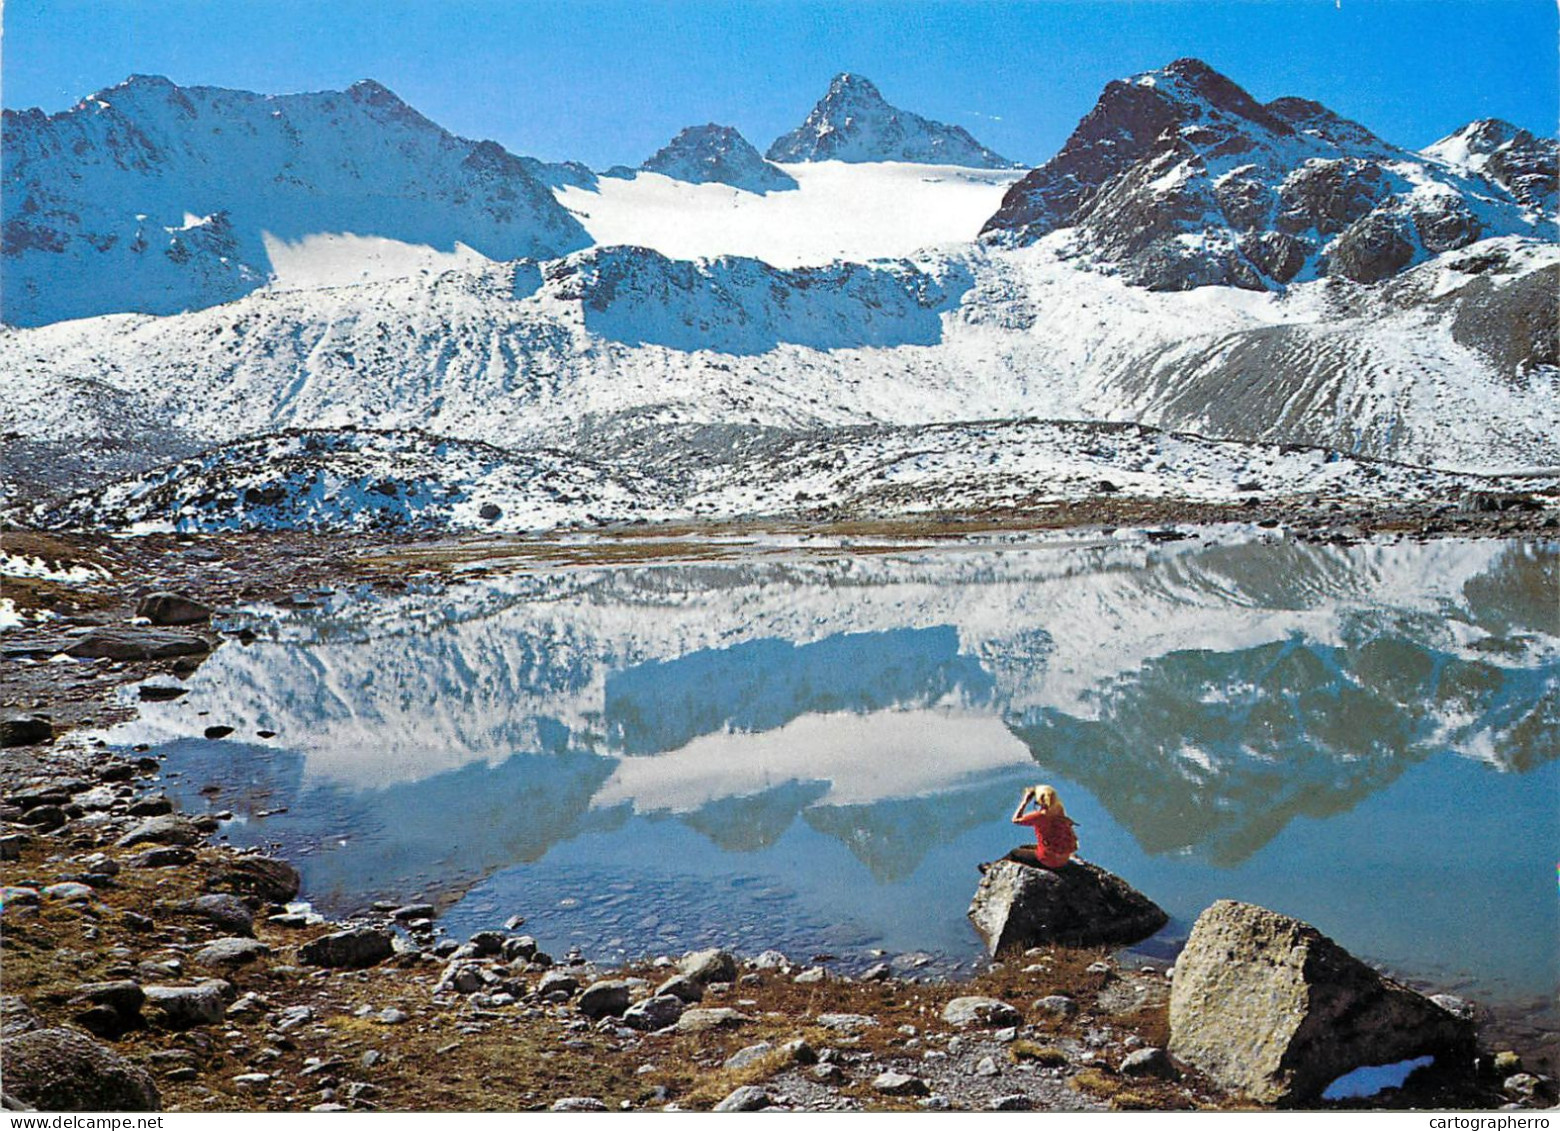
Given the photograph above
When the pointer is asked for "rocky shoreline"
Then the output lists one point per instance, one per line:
(206, 986)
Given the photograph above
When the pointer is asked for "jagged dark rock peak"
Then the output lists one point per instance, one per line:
(704, 154)
(1524, 165)
(1178, 178)
(853, 122)
(155, 198)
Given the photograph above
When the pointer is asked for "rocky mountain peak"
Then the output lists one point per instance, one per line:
(853, 122)
(719, 154)
(1178, 178)
(1523, 164)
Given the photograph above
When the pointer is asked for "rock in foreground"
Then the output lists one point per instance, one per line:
(62, 1070)
(1272, 1008)
(1079, 904)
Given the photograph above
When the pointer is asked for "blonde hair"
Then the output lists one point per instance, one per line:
(1049, 801)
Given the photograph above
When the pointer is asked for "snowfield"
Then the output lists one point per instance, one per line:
(840, 210)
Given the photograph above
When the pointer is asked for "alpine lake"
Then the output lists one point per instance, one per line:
(809, 746)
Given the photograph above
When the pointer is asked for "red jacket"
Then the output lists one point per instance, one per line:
(1055, 841)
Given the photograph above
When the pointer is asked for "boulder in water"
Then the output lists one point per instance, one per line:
(1078, 904)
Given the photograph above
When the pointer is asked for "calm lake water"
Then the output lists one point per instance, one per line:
(813, 752)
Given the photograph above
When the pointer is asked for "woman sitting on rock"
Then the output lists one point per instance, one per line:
(1055, 841)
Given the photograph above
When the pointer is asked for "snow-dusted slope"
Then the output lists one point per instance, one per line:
(353, 480)
(853, 122)
(1431, 369)
(157, 198)
(1178, 178)
(841, 211)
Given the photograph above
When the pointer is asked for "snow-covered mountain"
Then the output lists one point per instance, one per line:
(156, 198)
(1525, 166)
(1178, 178)
(853, 122)
(719, 154)
(716, 331)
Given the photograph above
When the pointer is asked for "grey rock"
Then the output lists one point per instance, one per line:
(811, 976)
(392, 1016)
(557, 981)
(486, 944)
(230, 952)
(24, 730)
(1056, 1005)
(749, 1097)
(464, 978)
(827, 1074)
(172, 609)
(414, 911)
(934, 1102)
(682, 986)
(1014, 1102)
(225, 911)
(900, 1084)
(163, 856)
(1148, 1062)
(987, 1066)
(704, 1020)
(879, 973)
(136, 644)
(185, 1007)
(124, 996)
(654, 1013)
(152, 805)
(985, 1011)
(265, 878)
(170, 828)
(352, 949)
(749, 1055)
(846, 1022)
(1078, 904)
(578, 1103)
(800, 1052)
(607, 998)
(770, 960)
(62, 1070)
(1269, 1007)
(68, 892)
(707, 966)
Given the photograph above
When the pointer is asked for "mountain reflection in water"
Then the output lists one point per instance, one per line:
(816, 752)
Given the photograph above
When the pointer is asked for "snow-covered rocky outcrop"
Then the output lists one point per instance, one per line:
(718, 154)
(853, 122)
(1523, 165)
(1178, 178)
(156, 198)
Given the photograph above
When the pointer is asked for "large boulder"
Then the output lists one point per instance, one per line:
(135, 644)
(352, 949)
(1272, 1008)
(263, 877)
(1077, 904)
(63, 1070)
(172, 608)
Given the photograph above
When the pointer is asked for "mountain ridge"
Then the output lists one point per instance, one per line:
(853, 122)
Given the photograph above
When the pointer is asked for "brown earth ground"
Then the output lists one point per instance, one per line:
(452, 1055)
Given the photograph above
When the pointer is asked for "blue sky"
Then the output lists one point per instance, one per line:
(608, 81)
